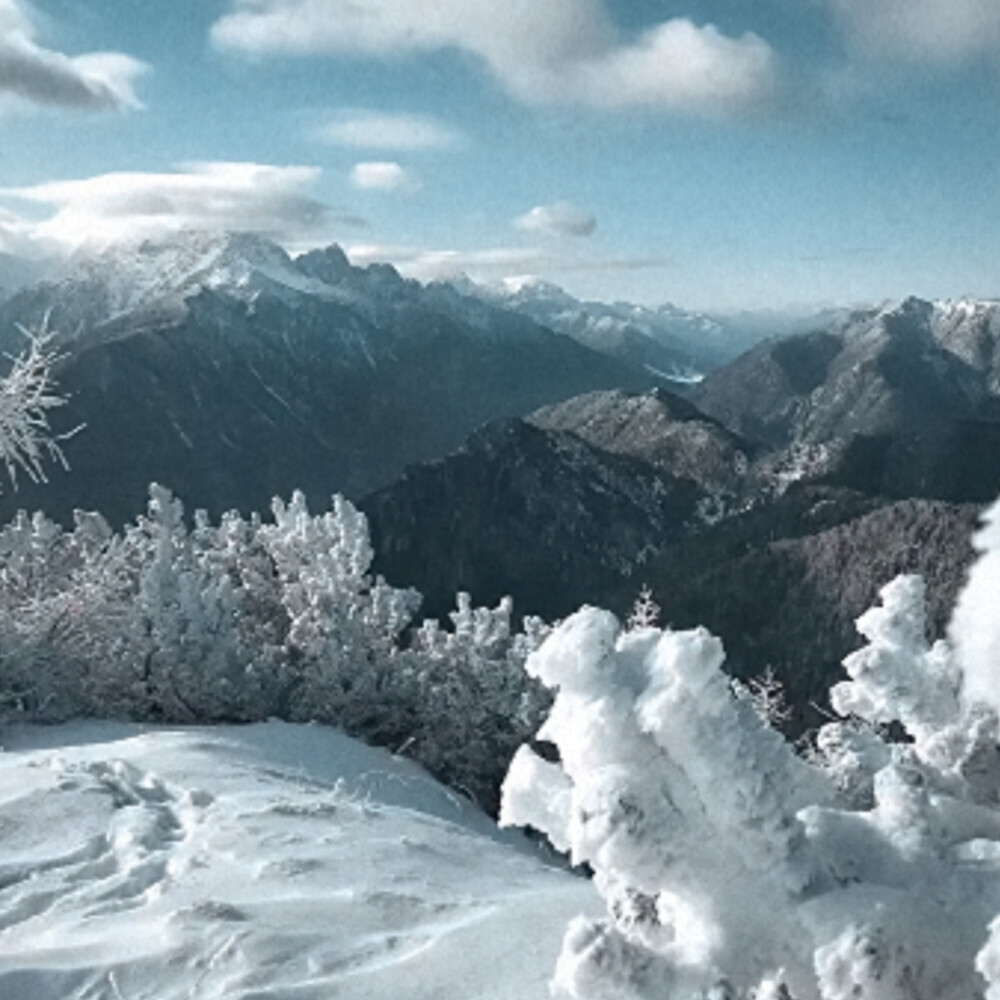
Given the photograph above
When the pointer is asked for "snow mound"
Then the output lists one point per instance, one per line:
(262, 861)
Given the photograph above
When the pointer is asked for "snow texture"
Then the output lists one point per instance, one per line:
(976, 622)
(262, 861)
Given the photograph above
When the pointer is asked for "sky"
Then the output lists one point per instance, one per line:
(718, 154)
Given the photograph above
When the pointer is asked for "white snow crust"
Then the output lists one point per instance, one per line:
(266, 861)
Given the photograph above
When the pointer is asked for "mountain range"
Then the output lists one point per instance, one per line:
(222, 366)
(518, 441)
(822, 464)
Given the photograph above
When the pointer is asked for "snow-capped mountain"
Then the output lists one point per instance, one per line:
(878, 371)
(163, 273)
(96, 293)
(899, 400)
(220, 366)
(970, 329)
(665, 340)
(681, 344)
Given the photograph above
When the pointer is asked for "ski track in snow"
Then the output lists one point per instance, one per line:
(266, 862)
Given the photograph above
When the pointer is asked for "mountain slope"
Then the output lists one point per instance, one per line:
(658, 427)
(879, 374)
(879, 402)
(229, 372)
(518, 510)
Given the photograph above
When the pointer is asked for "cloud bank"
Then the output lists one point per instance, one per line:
(363, 129)
(559, 219)
(553, 51)
(247, 197)
(35, 76)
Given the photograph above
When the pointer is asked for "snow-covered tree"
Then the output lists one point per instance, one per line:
(483, 705)
(245, 620)
(344, 627)
(731, 866)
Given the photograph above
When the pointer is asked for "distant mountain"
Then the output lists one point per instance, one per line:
(679, 344)
(519, 510)
(776, 546)
(876, 374)
(881, 401)
(557, 522)
(660, 428)
(218, 365)
(970, 329)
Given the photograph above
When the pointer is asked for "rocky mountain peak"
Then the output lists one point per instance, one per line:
(329, 264)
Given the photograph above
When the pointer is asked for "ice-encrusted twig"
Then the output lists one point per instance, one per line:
(27, 395)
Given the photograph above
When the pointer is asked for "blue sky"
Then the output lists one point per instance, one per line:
(714, 153)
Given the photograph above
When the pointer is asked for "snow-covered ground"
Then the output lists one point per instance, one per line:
(272, 861)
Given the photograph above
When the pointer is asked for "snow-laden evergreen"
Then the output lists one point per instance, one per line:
(247, 620)
(731, 865)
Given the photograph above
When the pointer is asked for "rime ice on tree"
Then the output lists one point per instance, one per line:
(730, 866)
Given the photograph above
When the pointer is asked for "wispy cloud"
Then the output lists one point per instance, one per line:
(560, 219)
(941, 31)
(364, 129)
(494, 263)
(31, 75)
(383, 176)
(552, 51)
(249, 197)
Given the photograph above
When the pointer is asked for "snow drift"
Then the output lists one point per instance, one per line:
(263, 861)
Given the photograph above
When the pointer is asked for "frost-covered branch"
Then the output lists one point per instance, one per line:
(27, 396)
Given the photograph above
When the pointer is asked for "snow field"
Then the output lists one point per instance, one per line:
(266, 861)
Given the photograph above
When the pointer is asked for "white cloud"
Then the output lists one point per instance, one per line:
(33, 75)
(551, 51)
(560, 219)
(361, 129)
(492, 263)
(381, 176)
(934, 30)
(217, 196)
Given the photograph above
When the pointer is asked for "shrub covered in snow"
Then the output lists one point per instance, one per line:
(247, 620)
(732, 866)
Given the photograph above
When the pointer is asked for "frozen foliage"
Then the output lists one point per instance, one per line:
(246, 620)
(27, 395)
(730, 866)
